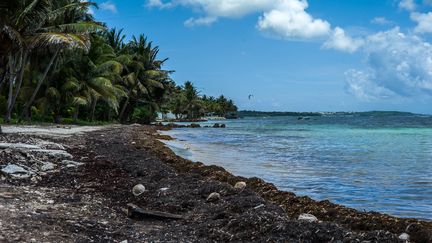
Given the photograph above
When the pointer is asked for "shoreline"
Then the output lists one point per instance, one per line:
(115, 158)
(270, 192)
(187, 144)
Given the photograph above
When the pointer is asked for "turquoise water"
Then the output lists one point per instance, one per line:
(369, 162)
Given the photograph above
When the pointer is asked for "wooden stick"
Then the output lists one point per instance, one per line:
(136, 212)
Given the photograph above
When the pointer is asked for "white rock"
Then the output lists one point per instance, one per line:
(55, 153)
(51, 145)
(47, 166)
(404, 237)
(240, 185)
(16, 171)
(164, 189)
(213, 197)
(138, 190)
(125, 241)
(18, 146)
(307, 217)
(70, 163)
(13, 169)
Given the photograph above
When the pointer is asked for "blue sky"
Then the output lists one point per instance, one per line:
(292, 55)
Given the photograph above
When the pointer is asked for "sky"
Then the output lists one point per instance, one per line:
(291, 55)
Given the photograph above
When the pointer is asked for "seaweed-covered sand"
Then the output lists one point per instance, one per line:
(74, 185)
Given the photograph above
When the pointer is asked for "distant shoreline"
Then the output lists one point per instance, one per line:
(251, 113)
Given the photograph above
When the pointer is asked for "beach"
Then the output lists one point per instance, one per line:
(89, 201)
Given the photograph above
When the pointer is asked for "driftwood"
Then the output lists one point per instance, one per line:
(136, 212)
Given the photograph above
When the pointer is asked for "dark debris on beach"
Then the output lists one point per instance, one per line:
(89, 202)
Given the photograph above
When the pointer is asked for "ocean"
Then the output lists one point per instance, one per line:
(376, 161)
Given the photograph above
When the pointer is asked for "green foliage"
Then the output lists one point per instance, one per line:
(143, 114)
(58, 64)
(185, 102)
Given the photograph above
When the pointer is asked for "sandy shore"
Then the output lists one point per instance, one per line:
(87, 200)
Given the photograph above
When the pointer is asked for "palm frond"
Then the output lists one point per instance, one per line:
(80, 100)
(13, 35)
(59, 12)
(61, 39)
(109, 67)
(154, 84)
(80, 27)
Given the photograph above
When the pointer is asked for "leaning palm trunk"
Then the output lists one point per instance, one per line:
(76, 113)
(9, 101)
(93, 108)
(12, 78)
(122, 112)
(19, 84)
(26, 112)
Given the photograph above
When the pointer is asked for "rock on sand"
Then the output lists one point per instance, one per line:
(307, 217)
(138, 190)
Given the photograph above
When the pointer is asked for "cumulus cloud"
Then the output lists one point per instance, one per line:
(362, 85)
(424, 22)
(340, 41)
(289, 19)
(286, 18)
(108, 6)
(399, 66)
(407, 5)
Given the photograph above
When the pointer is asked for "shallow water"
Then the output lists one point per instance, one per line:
(369, 162)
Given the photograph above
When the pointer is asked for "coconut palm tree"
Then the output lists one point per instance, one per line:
(29, 24)
(68, 26)
(115, 38)
(143, 78)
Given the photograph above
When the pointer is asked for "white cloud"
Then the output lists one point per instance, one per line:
(290, 20)
(108, 6)
(407, 5)
(340, 41)
(200, 21)
(361, 84)
(158, 4)
(399, 66)
(381, 21)
(424, 22)
(286, 18)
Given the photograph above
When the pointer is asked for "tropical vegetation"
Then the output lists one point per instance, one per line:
(57, 63)
(186, 102)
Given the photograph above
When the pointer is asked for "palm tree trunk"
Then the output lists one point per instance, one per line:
(76, 113)
(9, 101)
(93, 108)
(39, 84)
(12, 78)
(3, 79)
(19, 84)
(124, 108)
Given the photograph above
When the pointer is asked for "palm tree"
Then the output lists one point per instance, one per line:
(18, 19)
(143, 77)
(28, 24)
(115, 38)
(67, 27)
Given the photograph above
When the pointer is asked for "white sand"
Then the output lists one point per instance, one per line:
(62, 131)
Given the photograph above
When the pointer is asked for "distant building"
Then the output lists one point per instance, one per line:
(165, 116)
